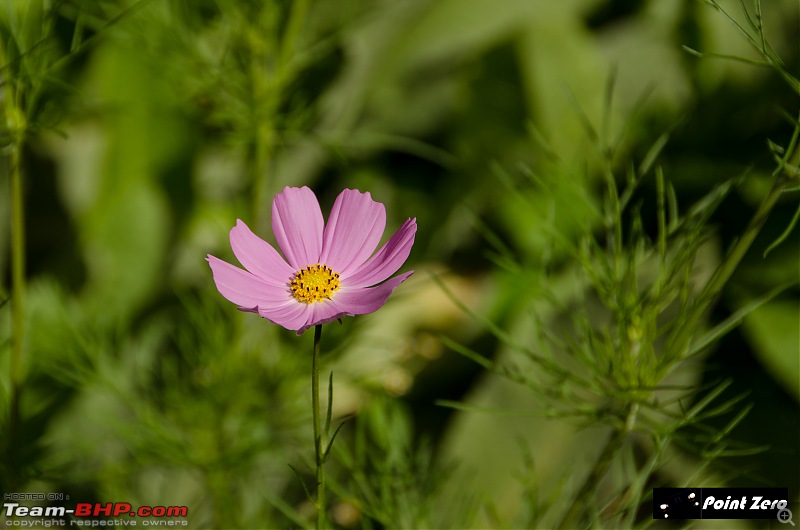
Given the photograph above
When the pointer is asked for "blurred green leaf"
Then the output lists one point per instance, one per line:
(774, 329)
(126, 225)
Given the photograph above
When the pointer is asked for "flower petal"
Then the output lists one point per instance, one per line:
(258, 256)
(355, 227)
(298, 224)
(298, 316)
(363, 300)
(387, 260)
(292, 315)
(322, 313)
(243, 288)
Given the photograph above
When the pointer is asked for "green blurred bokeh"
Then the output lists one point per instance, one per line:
(153, 126)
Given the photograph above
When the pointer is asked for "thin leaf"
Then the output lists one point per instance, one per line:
(583, 118)
(703, 403)
(330, 443)
(646, 92)
(785, 234)
(653, 153)
(775, 148)
(740, 452)
(607, 106)
(283, 507)
(702, 209)
(662, 216)
(672, 208)
(734, 422)
(77, 35)
(303, 483)
(493, 239)
(734, 320)
(494, 411)
(491, 326)
(466, 352)
(724, 408)
(736, 58)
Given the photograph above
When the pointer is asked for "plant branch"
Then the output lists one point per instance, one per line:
(731, 261)
(16, 123)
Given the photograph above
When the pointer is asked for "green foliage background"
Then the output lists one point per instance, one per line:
(147, 128)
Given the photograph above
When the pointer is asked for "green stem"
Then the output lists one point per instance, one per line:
(318, 441)
(15, 123)
(258, 165)
(584, 496)
(263, 107)
(266, 98)
(17, 287)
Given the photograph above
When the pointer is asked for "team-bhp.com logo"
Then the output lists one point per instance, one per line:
(85, 509)
(79, 516)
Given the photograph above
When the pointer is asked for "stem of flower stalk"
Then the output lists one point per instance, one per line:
(318, 441)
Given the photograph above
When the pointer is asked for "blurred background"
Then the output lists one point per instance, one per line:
(145, 129)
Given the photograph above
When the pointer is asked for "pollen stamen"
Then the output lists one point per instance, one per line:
(314, 283)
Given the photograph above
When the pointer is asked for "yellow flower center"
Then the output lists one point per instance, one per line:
(314, 283)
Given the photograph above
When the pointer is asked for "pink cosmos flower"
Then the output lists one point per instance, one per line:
(329, 273)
